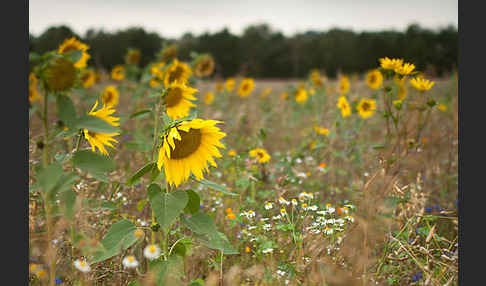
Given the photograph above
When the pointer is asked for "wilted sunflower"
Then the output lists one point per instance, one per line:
(344, 85)
(421, 84)
(169, 53)
(110, 96)
(301, 95)
(344, 106)
(73, 44)
(133, 57)
(390, 64)
(246, 86)
(374, 79)
(261, 155)
(177, 100)
(208, 98)
(60, 75)
(97, 139)
(204, 66)
(230, 84)
(366, 107)
(177, 72)
(88, 78)
(118, 72)
(187, 148)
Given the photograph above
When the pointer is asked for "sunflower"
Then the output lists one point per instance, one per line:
(344, 85)
(204, 66)
(156, 70)
(230, 84)
(301, 95)
(219, 87)
(284, 95)
(208, 98)
(110, 96)
(405, 69)
(73, 44)
(246, 86)
(118, 72)
(187, 148)
(374, 79)
(402, 92)
(88, 78)
(97, 139)
(421, 84)
(169, 53)
(177, 72)
(366, 107)
(32, 79)
(60, 75)
(177, 100)
(260, 154)
(133, 57)
(154, 83)
(321, 131)
(316, 78)
(390, 64)
(344, 106)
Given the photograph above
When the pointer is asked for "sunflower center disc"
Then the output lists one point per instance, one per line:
(189, 143)
(176, 74)
(69, 49)
(366, 106)
(108, 97)
(173, 97)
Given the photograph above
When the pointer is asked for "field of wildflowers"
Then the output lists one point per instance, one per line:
(161, 176)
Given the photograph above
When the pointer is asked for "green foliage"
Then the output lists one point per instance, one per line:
(166, 206)
(118, 238)
(93, 163)
(140, 173)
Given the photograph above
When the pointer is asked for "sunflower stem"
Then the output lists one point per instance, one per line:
(45, 154)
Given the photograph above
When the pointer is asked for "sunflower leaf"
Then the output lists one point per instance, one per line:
(74, 56)
(95, 124)
(93, 163)
(119, 237)
(139, 113)
(214, 186)
(140, 173)
(166, 206)
(66, 110)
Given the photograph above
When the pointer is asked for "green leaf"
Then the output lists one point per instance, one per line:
(141, 204)
(193, 203)
(166, 206)
(167, 272)
(217, 241)
(215, 186)
(68, 198)
(141, 112)
(93, 163)
(140, 173)
(66, 110)
(48, 177)
(74, 56)
(378, 147)
(155, 173)
(95, 124)
(119, 237)
(200, 223)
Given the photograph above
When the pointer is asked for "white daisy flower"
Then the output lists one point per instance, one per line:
(267, 227)
(294, 202)
(152, 251)
(267, 250)
(324, 212)
(264, 218)
(280, 272)
(301, 175)
(268, 206)
(349, 218)
(328, 231)
(82, 265)
(281, 200)
(330, 208)
(298, 160)
(276, 217)
(250, 227)
(313, 208)
(130, 261)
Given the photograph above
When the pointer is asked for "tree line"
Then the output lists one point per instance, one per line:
(262, 52)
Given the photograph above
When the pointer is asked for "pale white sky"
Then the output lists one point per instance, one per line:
(175, 17)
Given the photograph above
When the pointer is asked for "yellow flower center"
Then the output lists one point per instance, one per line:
(108, 97)
(152, 249)
(365, 106)
(130, 258)
(82, 264)
(189, 143)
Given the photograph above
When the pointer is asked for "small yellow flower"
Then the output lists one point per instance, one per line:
(247, 249)
(442, 107)
(344, 85)
(204, 66)
(208, 98)
(88, 78)
(405, 69)
(230, 84)
(390, 64)
(232, 153)
(261, 154)
(344, 106)
(177, 72)
(312, 91)
(374, 79)
(246, 86)
(320, 130)
(421, 83)
(301, 95)
(118, 72)
(219, 87)
(366, 107)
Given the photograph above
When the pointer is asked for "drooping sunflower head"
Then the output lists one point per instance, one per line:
(60, 75)
(187, 148)
(230, 84)
(177, 100)
(133, 56)
(344, 106)
(208, 98)
(261, 155)
(301, 95)
(374, 79)
(390, 64)
(421, 84)
(99, 140)
(88, 78)
(118, 72)
(204, 66)
(110, 96)
(366, 107)
(344, 85)
(177, 72)
(169, 53)
(246, 86)
(73, 44)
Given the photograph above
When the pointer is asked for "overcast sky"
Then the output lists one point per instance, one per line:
(175, 17)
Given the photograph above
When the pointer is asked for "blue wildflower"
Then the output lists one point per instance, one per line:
(58, 281)
(417, 277)
(428, 210)
(201, 207)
